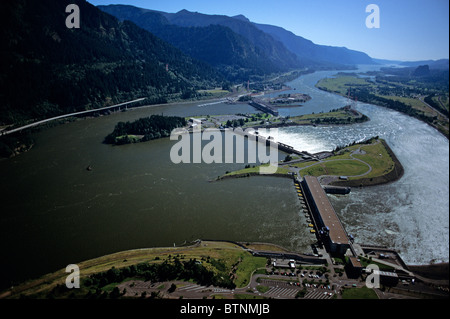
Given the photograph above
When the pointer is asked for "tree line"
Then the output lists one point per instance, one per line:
(150, 128)
(175, 269)
(52, 70)
(429, 100)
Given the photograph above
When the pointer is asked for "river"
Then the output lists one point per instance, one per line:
(55, 212)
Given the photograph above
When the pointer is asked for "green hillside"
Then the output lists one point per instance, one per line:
(48, 69)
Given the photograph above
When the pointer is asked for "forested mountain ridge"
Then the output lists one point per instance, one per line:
(234, 46)
(316, 55)
(47, 69)
(231, 54)
(279, 46)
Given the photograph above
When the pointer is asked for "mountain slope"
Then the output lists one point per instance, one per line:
(319, 54)
(263, 48)
(47, 69)
(232, 54)
(282, 47)
(275, 50)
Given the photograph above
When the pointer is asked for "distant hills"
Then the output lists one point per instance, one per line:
(271, 47)
(237, 48)
(314, 54)
(122, 52)
(441, 64)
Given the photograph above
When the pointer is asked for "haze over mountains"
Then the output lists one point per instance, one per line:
(277, 46)
(122, 52)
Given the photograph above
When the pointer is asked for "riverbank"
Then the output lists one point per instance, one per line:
(15, 140)
(367, 91)
(120, 275)
(342, 116)
(393, 175)
(125, 195)
(363, 164)
(438, 271)
(215, 255)
(241, 174)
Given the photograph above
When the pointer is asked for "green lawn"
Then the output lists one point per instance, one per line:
(365, 262)
(316, 170)
(346, 167)
(375, 155)
(414, 103)
(245, 268)
(359, 293)
(216, 93)
(131, 138)
(262, 289)
(256, 170)
(342, 167)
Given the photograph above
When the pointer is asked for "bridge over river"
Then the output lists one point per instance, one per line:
(18, 129)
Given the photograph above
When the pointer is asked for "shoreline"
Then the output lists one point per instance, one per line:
(431, 273)
(244, 175)
(392, 176)
(252, 174)
(417, 118)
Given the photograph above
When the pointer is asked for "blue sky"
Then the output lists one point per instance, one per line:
(410, 30)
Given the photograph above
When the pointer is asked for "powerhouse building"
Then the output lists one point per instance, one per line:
(332, 232)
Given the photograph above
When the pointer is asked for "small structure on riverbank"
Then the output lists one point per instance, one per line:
(264, 107)
(336, 190)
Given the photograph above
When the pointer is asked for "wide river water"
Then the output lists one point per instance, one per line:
(54, 212)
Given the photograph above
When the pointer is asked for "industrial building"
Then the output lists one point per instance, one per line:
(330, 229)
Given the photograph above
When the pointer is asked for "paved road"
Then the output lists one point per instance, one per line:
(333, 177)
(421, 98)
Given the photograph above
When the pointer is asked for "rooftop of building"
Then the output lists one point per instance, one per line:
(329, 217)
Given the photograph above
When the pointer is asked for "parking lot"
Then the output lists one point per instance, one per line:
(287, 283)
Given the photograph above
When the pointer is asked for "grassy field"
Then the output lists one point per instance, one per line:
(340, 116)
(256, 170)
(414, 103)
(247, 265)
(267, 247)
(377, 157)
(229, 254)
(342, 164)
(130, 137)
(340, 84)
(346, 167)
(443, 100)
(359, 293)
(216, 93)
(338, 168)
